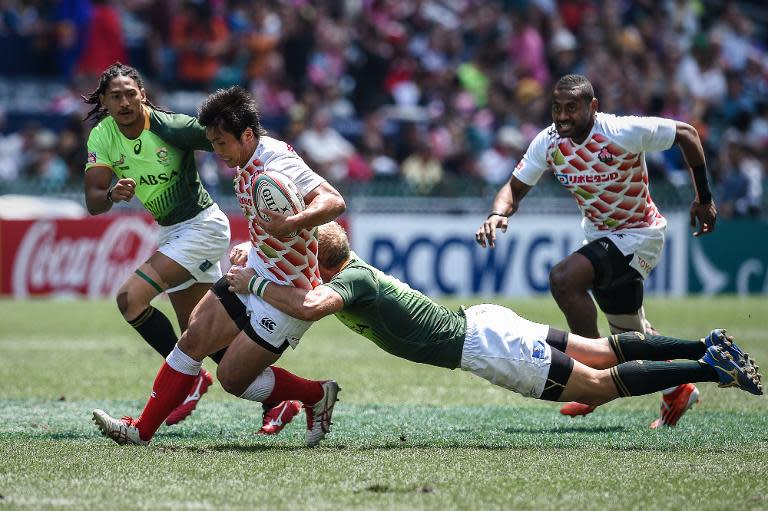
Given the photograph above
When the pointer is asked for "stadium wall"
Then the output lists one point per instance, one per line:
(436, 254)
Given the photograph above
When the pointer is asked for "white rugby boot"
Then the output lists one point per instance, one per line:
(121, 431)
(319, 414)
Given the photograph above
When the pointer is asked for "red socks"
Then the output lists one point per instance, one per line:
(168, 392)
(288, 386)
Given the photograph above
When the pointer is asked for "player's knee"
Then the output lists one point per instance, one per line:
(123, 303)
(620, 323)
(131, 303)
(560, 280)
(600, 387)
(593, 387)
(193, 346)
(229, 381)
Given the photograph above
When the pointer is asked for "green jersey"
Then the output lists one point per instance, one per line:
(398, 319)
(161, 161)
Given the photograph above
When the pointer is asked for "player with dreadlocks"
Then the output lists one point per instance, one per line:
(150, 151)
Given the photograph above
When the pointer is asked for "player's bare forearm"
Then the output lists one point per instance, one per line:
(324, 204)
(99, 195)
(504, 205)
(508, 198)
(504, 201)
(303, 304)
(688, 139)
(97, 182)
(286, 299)
(96, 200)
(703, 213)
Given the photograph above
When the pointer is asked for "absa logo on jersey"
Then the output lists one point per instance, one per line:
(151, 179)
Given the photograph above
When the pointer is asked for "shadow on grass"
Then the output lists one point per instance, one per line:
(511, 446)
(555, 430)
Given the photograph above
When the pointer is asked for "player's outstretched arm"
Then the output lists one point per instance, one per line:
(703, 210)
(299, 303)
(505, 205)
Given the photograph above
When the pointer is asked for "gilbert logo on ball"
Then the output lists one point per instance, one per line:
(273, 191)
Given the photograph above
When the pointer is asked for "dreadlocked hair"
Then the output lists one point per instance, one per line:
(117, 69)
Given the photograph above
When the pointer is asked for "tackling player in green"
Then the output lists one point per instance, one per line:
(151, 152)
(493, 342)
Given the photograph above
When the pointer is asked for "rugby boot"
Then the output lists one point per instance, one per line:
(734, 367)
(675, 404)
(319, 414)
(278, 417)
(574, 409)
(185, 409)
(121, 431)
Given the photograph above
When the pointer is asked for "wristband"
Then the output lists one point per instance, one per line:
(705, 197)
(257, 285)
(702, 185)
(109, 194)
(493, 213)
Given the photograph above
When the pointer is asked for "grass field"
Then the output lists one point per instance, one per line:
(405, 436)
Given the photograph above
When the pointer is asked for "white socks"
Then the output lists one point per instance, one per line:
(261, 387)
(182, 363)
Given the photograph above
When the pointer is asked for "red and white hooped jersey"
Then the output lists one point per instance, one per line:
(606, 174)
(291, 261)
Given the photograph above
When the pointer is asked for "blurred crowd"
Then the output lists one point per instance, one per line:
(423, 93)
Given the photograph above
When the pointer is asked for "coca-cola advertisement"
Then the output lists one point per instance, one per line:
(88, 257)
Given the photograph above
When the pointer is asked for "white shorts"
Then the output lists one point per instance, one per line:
(507, 350)
(197, 244)
(645, 245)
(272, 325)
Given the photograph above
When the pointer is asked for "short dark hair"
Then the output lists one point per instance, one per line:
(233, 110)
(580, 82)
(117, 69)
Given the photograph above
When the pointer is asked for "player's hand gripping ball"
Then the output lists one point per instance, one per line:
(273, 191)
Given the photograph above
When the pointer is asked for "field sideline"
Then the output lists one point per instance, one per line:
(406, 436)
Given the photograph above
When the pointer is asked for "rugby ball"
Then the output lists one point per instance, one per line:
(273, 191)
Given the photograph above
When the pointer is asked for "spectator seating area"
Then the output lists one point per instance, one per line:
(436, 98)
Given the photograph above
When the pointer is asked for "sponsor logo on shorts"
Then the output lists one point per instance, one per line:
(92, 157)
(205, 265)
(268, 324)
(641, 265)
(538, 350)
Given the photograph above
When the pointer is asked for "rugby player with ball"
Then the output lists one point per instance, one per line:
(272, 185)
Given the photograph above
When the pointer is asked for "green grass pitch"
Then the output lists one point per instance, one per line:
(405, 436)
